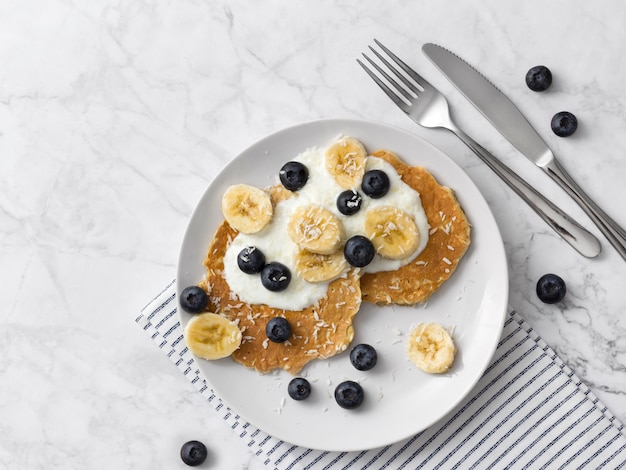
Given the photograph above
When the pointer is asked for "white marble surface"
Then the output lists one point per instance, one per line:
(114, 117)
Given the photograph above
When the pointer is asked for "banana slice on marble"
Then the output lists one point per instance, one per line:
(247, 209)
(392, 231)
(313, 267)
(315, 229)
(345, 161)
(211, 336)
(430, 347)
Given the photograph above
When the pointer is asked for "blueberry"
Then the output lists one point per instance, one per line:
(293, 175)
(375, 183)
(539, 78)
(193, 453)
(359, 251)
(349, 394)
(349, 202)
(363, 357)
(551, 288)
(251, 260)
(278, 330)
(275, 276)
(193, 299)
(299, 388)
(564, 124)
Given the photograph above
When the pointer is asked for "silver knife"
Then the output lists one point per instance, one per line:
(512, 124)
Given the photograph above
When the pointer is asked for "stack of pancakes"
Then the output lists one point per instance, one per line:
(325, 329)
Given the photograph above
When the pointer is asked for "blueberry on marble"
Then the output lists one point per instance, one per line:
(363, 357)
(551, 288)
(193, 299)
(375, 184)
(349, 395)
(278, 330)
(539, 78)
(349, 202)
(359, 251)
(251, 260)
(275, 276)
(564, 124)
(293, 175)
(299, 388)
(193, 453)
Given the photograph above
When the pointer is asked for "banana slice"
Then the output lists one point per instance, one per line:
(392, 231)
(247, 209)
(211, 336)
(345, 161)
(313, 267)
(430, 348)
(315, 229)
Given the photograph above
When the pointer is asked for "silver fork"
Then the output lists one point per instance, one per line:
(425, 105)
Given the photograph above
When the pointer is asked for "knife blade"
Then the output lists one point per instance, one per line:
(502, 113)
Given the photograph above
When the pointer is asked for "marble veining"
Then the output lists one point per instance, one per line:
(114, 117)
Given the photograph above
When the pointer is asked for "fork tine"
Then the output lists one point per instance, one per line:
(395, 71)
(390, 93)
(412, 73)
(408, 97)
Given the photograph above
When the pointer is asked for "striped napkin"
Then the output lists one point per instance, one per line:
(529, 410)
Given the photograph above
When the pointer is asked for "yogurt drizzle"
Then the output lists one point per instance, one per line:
(320, 189)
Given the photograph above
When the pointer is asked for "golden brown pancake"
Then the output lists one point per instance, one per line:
(448, 241)
(318, 332)
(325, 329)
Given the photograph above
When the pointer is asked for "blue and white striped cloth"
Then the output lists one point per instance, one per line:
(529, 410)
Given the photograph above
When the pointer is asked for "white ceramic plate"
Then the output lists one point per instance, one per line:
(400, 399)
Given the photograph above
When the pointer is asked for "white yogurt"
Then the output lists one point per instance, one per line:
(320, 189)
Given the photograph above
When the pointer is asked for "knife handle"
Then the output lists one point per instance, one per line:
(573, 233)
(611, 230)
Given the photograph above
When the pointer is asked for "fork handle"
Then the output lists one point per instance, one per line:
(573, 233)
(611, 230)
